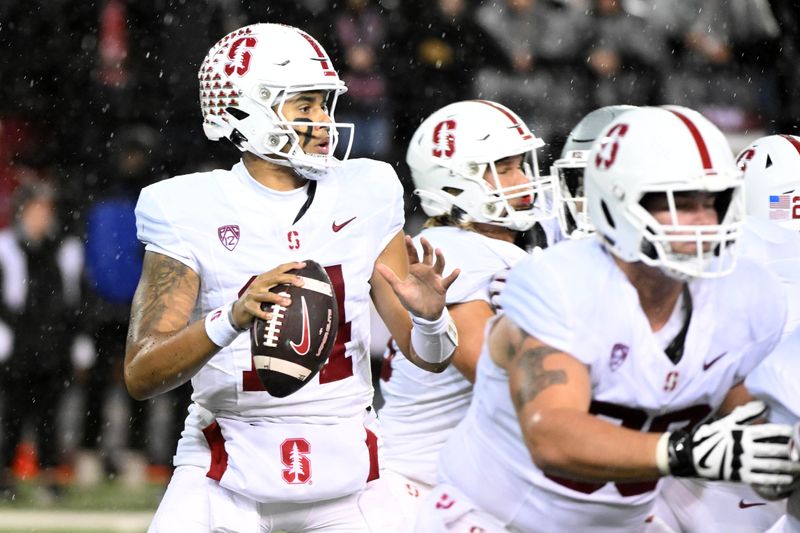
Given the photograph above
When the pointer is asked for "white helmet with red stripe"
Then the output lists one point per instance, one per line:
(245, 81)
(771, 168)
(666, 150)
(450, 153)
(568, 170)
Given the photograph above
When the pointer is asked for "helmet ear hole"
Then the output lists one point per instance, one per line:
(607, 214)
(238, 139)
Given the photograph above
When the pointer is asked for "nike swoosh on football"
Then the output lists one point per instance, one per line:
(709, 364)
(746, 505)
(336, 227)
(305, 342)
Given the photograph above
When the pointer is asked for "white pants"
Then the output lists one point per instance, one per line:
(390, 503)
(194, 503)
(697, 506)
(447, 510)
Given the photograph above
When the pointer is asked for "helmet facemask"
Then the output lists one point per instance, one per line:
(483, 199)
(712, 247)
(571, 198)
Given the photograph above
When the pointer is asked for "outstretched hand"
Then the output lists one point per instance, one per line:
(423, 290)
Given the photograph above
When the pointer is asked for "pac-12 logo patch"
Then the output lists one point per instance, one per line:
(618, 355)
(228, 236)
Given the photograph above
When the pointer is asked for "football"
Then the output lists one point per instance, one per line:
(290, 348)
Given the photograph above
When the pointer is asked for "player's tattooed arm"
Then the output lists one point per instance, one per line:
(163, 351)
(166, 300)
(551, 391)
(523, 358)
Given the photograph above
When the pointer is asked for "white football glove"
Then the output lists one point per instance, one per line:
(495, 288)
(730, 450)
(779, 492)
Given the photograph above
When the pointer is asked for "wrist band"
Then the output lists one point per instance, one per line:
(219, 326)
(662, 454)
(434, 341)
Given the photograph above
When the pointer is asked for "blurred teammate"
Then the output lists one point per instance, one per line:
(573, 221)
(474, 167)
(217, 241)
(613, 352)
(771, 238)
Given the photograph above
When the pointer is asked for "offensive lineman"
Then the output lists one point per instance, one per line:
(248, 461)
(611, 354)
(771, 238)
(475, 170)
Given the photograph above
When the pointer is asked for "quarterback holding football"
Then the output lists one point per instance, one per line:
(275, 439)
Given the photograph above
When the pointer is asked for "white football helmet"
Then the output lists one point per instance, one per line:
(568, 170)
(666, 150)
(245, 80)
(771, 168)
(450, 152)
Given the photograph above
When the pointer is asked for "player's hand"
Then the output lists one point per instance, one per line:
(496, 286)
(423, 290)
(779, 492)
(729, 449)
(258, 292)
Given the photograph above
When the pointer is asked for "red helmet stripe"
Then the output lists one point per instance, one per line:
(503, 110)
(792, 140)
(320, 53)
(705, 157)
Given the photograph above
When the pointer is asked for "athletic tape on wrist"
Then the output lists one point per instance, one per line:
(662, 454)
(434, 341)
(219, 326)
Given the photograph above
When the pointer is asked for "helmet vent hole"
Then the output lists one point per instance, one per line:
(237, 113)
(452, 190)
(769, 162)
(607, 214)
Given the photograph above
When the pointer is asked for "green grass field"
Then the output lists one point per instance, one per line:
(108, 507)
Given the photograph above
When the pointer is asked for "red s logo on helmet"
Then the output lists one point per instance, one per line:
(609, 147)
(444, 142)
(239, 56)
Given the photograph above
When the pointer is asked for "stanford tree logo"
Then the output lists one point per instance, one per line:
(294, 455)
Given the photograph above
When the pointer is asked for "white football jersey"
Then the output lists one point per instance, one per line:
(778, 250)
(573, 297)
(228, 228)
(775, 381)
(738, 508)
(421, 408)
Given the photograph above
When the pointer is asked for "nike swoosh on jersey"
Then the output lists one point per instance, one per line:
(305, 341)
(709, 364)
(746, 505)
(336, 227)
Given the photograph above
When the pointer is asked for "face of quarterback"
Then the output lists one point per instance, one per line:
(310, 106)
(691, 208)
(510, 172)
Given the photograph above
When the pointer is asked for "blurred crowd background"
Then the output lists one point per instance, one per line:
(100, 98)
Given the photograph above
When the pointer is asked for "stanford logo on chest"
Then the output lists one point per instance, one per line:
(228, 236)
